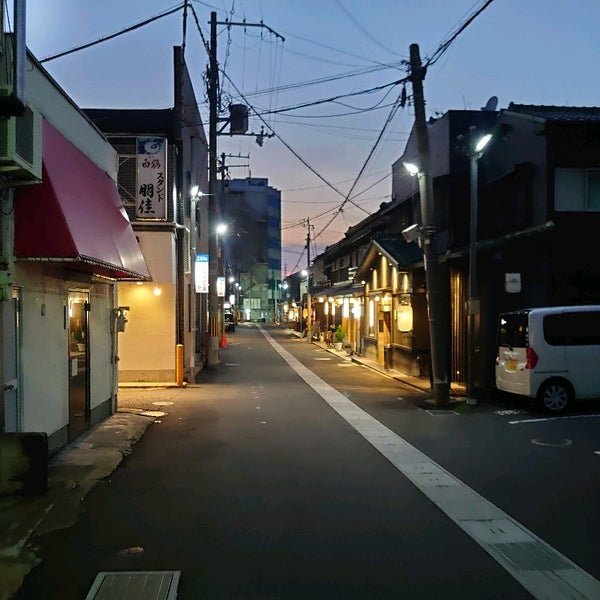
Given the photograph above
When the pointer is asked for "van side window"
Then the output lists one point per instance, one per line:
(573, 329)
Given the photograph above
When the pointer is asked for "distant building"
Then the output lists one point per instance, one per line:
(251, 208)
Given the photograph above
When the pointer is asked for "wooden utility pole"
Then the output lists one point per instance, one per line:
(437, 334)
(214, 328)
(214, 313)
(308, 296)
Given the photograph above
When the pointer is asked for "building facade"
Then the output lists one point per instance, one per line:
(66, 243)
(163, 181)
(251, 248)
(537, 205)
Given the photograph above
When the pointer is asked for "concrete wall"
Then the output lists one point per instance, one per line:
(44, 384)
(147, 347)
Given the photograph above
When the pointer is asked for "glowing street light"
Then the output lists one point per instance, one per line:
(411, 168)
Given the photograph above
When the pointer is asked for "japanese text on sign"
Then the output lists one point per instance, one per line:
(151, 178)
(201, 273)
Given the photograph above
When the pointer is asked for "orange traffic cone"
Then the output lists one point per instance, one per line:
(223, 342)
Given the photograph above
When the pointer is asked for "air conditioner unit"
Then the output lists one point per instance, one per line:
(20, 146)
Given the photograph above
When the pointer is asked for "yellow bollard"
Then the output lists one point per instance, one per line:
(179, 364)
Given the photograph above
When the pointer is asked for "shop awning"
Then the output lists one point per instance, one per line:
(348, 289)
(76, 216)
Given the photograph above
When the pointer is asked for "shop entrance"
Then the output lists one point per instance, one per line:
(11, 324)
(79, 363)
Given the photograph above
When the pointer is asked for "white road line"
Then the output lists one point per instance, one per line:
(540, 569)
(553, 419)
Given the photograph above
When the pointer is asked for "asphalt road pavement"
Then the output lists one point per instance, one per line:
(266, 480)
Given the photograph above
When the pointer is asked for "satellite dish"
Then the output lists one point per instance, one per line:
(491, 104)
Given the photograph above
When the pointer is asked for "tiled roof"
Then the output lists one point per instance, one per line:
(398, 250)
(589, 114)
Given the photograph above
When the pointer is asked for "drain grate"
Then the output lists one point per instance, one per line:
(135, 585)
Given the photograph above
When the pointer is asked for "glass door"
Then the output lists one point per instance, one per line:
(13, 410)
(79, 361)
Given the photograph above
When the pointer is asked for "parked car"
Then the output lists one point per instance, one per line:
(550, 353)
(230, 322)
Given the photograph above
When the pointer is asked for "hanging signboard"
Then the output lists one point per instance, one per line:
(201, 273)
(220, 287)
(151, 178)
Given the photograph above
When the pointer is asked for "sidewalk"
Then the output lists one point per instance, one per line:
(457, 391)
(72, 473)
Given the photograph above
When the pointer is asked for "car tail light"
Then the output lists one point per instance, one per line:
(532, 358)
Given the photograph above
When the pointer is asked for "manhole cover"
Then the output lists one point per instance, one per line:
(153, 413)
(135, 585)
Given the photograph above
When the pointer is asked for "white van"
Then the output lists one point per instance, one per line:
(552, 354)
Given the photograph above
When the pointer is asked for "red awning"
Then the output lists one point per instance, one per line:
(76, 215)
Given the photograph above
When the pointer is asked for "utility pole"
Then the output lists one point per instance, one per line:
(214, 316)
(437, 334)
(213, 249)
(308, 297)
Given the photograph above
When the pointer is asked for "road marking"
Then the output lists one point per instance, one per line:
(562, 443)
(553, 419)
(328, 358)
(597, 452)
(441, 412)
(538, 567)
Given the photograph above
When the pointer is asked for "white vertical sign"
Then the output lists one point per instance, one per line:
(220, 287)
(151, 178)
(201, 273)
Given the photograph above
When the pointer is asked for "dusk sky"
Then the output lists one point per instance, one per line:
(523, 51)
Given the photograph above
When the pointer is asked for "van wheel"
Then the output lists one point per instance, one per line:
(555, 395)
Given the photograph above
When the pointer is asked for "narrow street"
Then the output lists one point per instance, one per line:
(291, 472)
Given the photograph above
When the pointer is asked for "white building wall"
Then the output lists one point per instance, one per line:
(101, 342)
(44, 386)
(148, 345)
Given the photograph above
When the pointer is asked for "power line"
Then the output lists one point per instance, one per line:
(443, 47)
(399, 103)
(302, 160)
(327, 79)
(113, 35)
(338, 97)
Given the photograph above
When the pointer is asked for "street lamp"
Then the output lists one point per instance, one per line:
(411, 168)
(477, 146)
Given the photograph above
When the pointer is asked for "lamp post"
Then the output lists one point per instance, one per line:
(476, 147)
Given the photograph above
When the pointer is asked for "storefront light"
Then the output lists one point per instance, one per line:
(404, 318)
